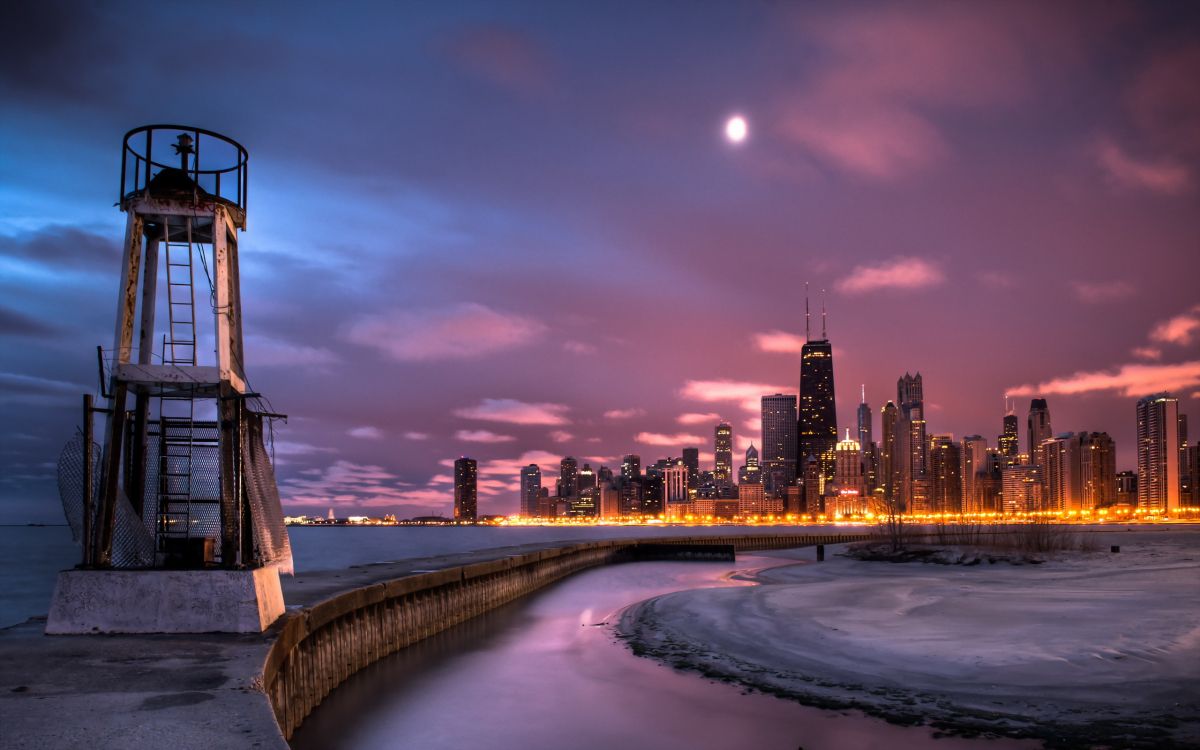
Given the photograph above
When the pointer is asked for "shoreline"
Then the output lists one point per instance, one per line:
(797, 635)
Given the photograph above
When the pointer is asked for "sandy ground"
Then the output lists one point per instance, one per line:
(1087, 649)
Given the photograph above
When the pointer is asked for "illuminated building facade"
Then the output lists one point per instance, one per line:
(675, 483)
(910, 462)
(887, 451)
(465, 490)
(945, 475)
(751, 472)
(723, 455)
(1158, 453)
(1022, 488)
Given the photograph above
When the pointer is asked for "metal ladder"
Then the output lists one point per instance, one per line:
(177, 407)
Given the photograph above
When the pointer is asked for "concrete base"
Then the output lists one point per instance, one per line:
(165, 601)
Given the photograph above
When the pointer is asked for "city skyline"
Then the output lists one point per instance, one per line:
(1003, 200)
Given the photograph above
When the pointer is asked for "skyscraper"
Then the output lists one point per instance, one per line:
(691, 459)
(723, 455)
(631, 468)
(865, 420)
(910, 463)
(1098, 469)
(751, 472)
(1158, 453)
(1080, 471)
(848, 479)
(1039, 430)
(568, 478)
(531, 489)
(945, 475)
(867, 447)
(1009, 441)
(675, 484)
(887, 451)
(779, 441)
(817, 425)
(974, 453)
(465, 494)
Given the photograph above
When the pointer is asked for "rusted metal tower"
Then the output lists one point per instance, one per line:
(183, 481)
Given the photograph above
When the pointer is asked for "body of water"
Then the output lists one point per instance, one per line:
(31, 556)
(548, 672)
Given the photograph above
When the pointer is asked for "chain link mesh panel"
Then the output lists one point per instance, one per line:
(271, 544)
(133, 544)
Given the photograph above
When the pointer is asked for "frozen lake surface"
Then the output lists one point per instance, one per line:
(1099, 647)
(547, 672)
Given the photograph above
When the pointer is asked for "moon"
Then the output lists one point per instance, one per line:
(736, 129)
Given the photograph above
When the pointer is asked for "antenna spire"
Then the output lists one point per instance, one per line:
(806, 314)
(864, 393)
(824, 336)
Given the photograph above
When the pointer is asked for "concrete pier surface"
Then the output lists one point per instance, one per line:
(176, 691)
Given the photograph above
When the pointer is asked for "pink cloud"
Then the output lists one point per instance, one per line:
(482, 436)
(365, 433)
(747, 395)
(412, 435)
(1097, 292)
(561, 436)
(678, 440)
(1129, 380)
(898, 273)
(623, 413)
(1179, 329)
(779, 341)
(1147, 352)
(692, 418)
(880, 143)
(1124, 170)
(462, 331)
(754, 425)
(512, 411)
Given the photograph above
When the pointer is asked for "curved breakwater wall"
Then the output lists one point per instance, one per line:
(320, 646)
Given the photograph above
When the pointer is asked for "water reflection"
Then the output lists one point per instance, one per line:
(546, 672)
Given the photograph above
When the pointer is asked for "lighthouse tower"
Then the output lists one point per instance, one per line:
(177, 512)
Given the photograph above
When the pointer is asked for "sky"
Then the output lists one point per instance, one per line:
(516, 231)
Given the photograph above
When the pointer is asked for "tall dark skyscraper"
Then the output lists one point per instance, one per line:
(1009, 440)
(691, 459)
(865, 422)
(1039, 429)
(779, 441)
(531, 489)
(911, 462)
(631, 468)
(465, 493)
(817, 425)
(945, 474)
(887, 450)
(568, 478)
(723, 454)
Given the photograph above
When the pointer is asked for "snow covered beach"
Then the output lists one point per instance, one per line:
(1085, 649)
